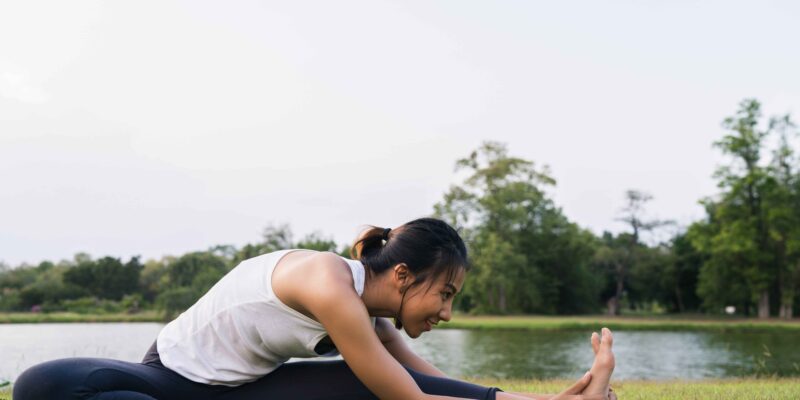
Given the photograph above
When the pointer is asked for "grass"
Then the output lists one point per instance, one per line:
(766, 389)
(634, 323)
(27, 317)
(661, 390)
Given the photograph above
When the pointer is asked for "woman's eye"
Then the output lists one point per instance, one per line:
(445, 295)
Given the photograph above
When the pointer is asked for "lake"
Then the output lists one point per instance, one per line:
(498, 354)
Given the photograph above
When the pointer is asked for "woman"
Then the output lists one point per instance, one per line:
(234, 342)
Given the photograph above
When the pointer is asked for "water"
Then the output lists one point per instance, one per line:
(500, 354)
(640, 355)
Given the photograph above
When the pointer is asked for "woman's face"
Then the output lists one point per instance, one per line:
(423, 309)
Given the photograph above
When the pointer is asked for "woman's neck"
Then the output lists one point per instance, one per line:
(380, 297)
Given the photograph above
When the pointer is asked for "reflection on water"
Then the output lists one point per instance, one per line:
(640, 355)
(502, 354)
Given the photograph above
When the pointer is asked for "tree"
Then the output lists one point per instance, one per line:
(527, 257)
(782, 208)
(188, 278)
(106, 278)
(632, 250)
(680, 275)
(195, 270)
(154, 278)
(748, 236)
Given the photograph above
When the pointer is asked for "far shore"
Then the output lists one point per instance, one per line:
(59, 317)
(677, 322)
(625, 323)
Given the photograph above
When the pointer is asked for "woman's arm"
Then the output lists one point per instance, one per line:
(397, 347)
(327, 293)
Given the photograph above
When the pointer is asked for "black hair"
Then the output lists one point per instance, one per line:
(428, 246)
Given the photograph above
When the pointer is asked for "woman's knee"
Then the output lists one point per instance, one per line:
(84, 378)
(57, 379)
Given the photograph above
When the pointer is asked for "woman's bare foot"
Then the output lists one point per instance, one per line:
(603, 365)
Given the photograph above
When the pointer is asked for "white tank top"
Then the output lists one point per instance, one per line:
(240, 331)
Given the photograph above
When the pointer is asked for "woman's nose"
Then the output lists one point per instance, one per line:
(446, 312)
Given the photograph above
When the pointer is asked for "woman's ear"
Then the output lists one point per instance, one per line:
(401, 275)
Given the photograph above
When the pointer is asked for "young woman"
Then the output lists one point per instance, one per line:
(234, 342)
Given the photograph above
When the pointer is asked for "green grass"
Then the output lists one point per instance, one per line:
(19, 318)
(655, 390)
(772, 389)
(636, 323)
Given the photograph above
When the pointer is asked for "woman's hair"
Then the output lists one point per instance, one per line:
(428, 246)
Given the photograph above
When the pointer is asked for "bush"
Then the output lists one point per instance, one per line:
(176, 300)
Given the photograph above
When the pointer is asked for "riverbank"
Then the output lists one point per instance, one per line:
(32, 318)
(773, 389)
(632, 323)
(577, 323)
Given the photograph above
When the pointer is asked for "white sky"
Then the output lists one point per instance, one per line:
(161, 127)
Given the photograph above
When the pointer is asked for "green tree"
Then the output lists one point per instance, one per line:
(632, 252)
(48, 289)
(188, 278)
(748, 235)
(106, 278)
(527, 257)
(679, 278)
(782, 209)
(154, 278)
(195, 270)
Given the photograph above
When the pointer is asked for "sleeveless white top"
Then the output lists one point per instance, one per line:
(240, 331)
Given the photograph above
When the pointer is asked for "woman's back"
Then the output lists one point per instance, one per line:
(241, 330)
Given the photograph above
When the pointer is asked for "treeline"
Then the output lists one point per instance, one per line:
(109, 285)
(527, 256)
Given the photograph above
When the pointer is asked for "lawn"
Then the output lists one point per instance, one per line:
(772, 389)
(675, 390)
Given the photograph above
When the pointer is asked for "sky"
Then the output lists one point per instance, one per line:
(157, 128)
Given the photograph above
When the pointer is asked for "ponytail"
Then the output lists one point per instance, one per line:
(370, 241)
(428, 247)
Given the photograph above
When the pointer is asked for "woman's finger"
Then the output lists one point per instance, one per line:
(576, 387)
(595, 342)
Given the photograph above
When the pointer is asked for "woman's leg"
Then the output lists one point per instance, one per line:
(333, 380)
(603, 365)
(104, 379)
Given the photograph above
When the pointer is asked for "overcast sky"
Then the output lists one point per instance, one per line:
(161, 127)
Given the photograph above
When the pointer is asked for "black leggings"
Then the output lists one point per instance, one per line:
(104, 379)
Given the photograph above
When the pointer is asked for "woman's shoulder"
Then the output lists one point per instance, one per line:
(302, 277)
(310, 266)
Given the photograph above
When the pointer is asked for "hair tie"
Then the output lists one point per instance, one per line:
(385, 235)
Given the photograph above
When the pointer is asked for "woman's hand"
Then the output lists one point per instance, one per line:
(574, 392)
(575, 389)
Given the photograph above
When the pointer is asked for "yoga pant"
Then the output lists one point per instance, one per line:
(104, 379)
